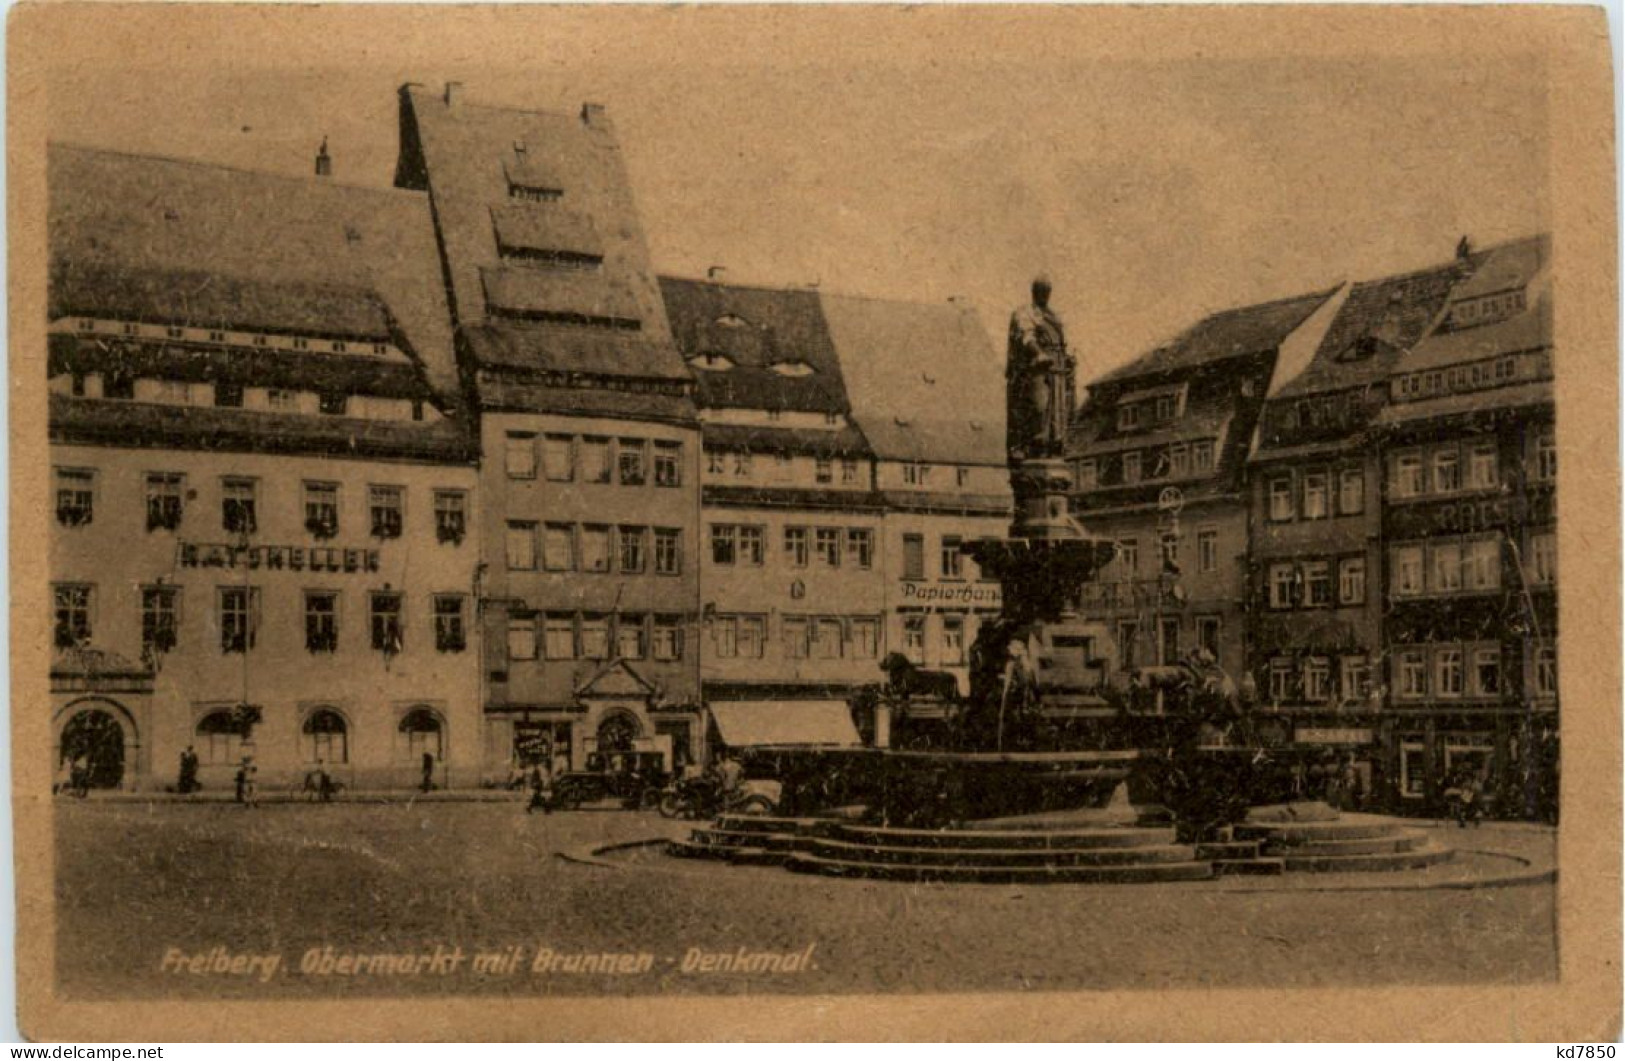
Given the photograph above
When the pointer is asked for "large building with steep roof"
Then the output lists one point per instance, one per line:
(1469, 531)
(263, 479)
(926, 387)
(587, 423)
(1159, 452)
(790, 571)
(1315, 548)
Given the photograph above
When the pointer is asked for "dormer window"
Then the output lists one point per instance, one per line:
(793, 369)
(1128, 418)
(1167, 407)
(533, 194)
(711, 362)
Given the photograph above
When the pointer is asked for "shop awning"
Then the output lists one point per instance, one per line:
(751, 723)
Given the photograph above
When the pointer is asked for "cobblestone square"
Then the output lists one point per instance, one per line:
(139, 880)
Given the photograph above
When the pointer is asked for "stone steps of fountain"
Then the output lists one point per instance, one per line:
(1229, 850)
(1307, 832)
(1002, 839)
(1258, 866)
(744, 838)
(1143, 873)
(1418, 858)
(1020, 857)
(761, 823)
(1402, 840)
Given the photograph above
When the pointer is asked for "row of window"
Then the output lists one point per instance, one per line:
(1456, 671)
(1491, 372)
(1309, 583)
(324, 737)
(742, 463)
(1149, 410)
(1177, 461)
(951, 560)
(1125, 564)
(593, 548)
(237, 618)
(1169, 646)
(744, 545)
(592, 459)
(1466, 565)
(578, 635)
(122, 384)
(289, 342)
(1453, 467)
(167, 497)
(1314, 497)
(1312, 679)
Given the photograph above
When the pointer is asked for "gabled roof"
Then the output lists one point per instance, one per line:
(469, 157)
(923, 379)
(756, 328)
(188, 243)
(1508, 266)
(1228, 333)
(1377, 323)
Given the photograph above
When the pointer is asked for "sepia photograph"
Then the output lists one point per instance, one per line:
(589, 511)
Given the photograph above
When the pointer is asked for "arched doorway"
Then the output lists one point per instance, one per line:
(617, 732)
(96, 737)
(422, 733)
(326, 738)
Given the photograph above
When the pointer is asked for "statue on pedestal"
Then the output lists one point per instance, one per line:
(1038, 375)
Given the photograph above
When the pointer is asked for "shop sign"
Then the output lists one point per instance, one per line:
(1333, 735)
(277, 557)
(987, 594)
(1473, 515)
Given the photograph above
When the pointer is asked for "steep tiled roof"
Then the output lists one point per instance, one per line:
(1229, 333)
(923, 379)
(535, 348)
(845, 442)
(470, 157)
(187, 243)
(1376, 324)
(144, 424)
(1530, 330)
(755, 328)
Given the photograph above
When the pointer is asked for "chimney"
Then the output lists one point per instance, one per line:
(715, 273)
(1464, 248)
(324, 161)
(454, 93)
(594, 117)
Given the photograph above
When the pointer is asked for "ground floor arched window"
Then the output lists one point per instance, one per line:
(93, 747)
(422, 733)
(218, 739)
(326, 737)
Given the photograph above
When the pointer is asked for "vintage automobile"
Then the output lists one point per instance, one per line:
(634, 778)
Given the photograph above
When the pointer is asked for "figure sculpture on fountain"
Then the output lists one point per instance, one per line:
(1039, 380)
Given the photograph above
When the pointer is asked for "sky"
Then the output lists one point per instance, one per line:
(1157, 167)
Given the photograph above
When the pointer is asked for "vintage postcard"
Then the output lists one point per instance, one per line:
(797, 522)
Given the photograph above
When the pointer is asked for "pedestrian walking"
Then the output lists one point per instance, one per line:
(427, 784)
(187, 783)
(248, 783)
(541, 788)
(79, 775)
